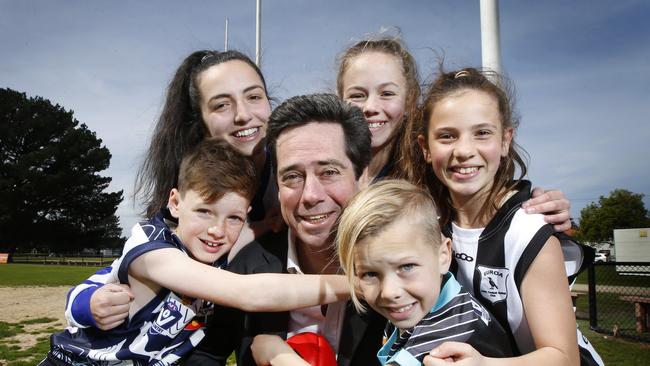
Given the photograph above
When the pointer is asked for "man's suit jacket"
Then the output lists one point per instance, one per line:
(231, 329)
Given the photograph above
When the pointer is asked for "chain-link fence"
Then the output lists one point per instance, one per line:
(619, 299)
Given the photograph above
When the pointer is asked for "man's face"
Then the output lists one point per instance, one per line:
(315, 179)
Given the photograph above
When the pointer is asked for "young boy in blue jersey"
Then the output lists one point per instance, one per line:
(172, 263)
(392, 251)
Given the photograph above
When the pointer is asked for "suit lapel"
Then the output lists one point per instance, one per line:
(353, 330)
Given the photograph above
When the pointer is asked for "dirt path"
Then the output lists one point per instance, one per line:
(23, 303)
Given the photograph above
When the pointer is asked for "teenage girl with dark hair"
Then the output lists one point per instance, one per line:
(212, 94)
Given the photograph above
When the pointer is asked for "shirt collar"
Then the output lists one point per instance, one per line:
(292, 255)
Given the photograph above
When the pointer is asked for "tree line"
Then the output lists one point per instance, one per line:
(52, 197)
(622, 209)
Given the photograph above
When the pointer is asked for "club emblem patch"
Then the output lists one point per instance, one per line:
(493, 283)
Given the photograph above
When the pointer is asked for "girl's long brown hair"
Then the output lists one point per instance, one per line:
(421, 173)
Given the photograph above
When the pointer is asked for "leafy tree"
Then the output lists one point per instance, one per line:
(51, 195)
(621, 210)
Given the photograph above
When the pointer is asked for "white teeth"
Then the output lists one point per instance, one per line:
(402, 309)
(315, 217)
(467, 170)
(375, 124)
(246, 132)
(211, 244)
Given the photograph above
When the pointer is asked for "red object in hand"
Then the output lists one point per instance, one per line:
(313, 348)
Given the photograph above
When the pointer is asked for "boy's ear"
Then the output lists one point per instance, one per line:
(444, 255)
(173, 202)
(422, 141)
(249, 209)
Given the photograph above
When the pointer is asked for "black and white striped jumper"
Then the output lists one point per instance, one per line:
(491, 262)
(456, 316)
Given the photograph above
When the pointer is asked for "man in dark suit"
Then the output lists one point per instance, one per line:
(319, 147)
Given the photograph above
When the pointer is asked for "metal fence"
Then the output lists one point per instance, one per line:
(619, 299)
(73, 259)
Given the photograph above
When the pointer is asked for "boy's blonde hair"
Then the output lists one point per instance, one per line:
(372, 210)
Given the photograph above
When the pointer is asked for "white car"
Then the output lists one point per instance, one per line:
(600, 257)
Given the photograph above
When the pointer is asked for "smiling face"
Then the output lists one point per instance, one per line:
(465, 143)
(208, 230)
(374, 82)
(399, 272)
(234, 105)
(315, 179)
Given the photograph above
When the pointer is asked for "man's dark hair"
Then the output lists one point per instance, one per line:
(323, 108)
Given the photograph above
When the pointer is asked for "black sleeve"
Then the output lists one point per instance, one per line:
(223, 333)
(228, 329)
(491, 340)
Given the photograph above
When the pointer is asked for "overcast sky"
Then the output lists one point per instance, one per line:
(581, 69)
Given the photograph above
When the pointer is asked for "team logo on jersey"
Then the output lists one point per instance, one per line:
(493, 283)
(170, 320)
(463, 256)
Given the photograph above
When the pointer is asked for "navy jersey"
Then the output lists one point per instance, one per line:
(160, 333)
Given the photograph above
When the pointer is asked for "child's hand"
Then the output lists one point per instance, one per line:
(109, 305)
(458, 353)
(273, 350)
(555, 207)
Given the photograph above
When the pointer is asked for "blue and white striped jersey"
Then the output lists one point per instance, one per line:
(160, 333)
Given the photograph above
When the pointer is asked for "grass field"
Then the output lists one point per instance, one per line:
(13, 354)
(614, 351)
(43, 275)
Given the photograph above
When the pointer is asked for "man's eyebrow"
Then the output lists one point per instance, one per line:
(287, 168)
(334, 162)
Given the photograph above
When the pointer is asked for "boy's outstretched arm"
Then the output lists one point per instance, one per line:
(172, 269)
(553, 204)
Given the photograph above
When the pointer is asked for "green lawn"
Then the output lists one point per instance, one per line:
(12, 354)
(43, 275)
(616, 351)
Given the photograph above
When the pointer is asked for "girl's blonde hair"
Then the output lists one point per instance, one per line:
(450, 84)
(372, 210)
